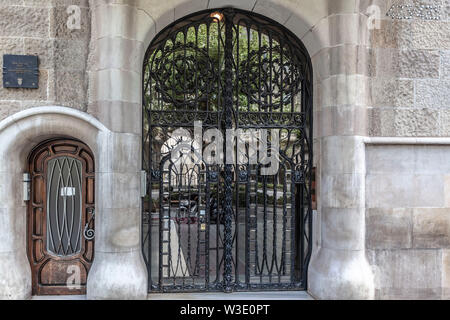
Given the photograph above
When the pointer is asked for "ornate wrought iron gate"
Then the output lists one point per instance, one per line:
(221, 225)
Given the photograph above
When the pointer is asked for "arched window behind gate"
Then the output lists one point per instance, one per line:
(241, 221)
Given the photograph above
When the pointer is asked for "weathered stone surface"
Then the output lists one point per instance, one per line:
(26, 94)
(15, 282)
(345, 90)
(392, 92)
(407, 63)
(80, 3)
(59, 27)
(118, 190)
(392, 34)
(416, 122)
(10, 46)
(388, 228)
(342, 190)
(342, 120)
(351, 150)
(445, 274)
(408, 274)
(431, 34)
(344, 59)
(118, 116)
(24, 21)
(117, 276)
(343, 228)
(36, 3)
(404, 190)
(70, 88)
(70, 54)
(381, 122)
(340, 274)
(431, 227)
(445, 64)
(44, 48)
(447, 190)
(445, 123)
(433, 93)
(408, 159)
(7, 108)
(127, 57)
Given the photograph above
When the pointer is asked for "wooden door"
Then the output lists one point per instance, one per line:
(60, 220)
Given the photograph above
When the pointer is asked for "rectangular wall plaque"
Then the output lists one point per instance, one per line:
(20, 71)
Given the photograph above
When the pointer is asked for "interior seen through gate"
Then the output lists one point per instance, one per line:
(227, 226)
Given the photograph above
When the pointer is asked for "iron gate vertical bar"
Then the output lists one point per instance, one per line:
(228, 109)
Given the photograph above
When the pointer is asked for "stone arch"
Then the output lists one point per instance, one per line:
(300, 17)
(19, 134)
(127, 27)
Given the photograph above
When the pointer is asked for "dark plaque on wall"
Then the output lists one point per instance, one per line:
(20, 71)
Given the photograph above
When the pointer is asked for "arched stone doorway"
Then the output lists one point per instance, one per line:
(223, 222)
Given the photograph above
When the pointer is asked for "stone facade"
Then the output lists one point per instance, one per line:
(382, 122)
(39, 27)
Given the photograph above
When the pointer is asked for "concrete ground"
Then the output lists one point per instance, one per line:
(275, 295)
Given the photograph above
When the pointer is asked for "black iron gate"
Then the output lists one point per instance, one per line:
(220, 215)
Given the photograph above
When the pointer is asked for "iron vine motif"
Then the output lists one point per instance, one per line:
(226, 227)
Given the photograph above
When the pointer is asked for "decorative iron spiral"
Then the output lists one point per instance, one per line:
(173, 70)
(268, 78)
(89, 233)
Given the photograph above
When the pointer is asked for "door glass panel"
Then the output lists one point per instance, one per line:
(64, 205)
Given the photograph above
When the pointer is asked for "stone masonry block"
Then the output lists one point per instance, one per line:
(407, 63)
(431, 34)
(392, 92)
(388, 228)
(59, 27)
(445, 64)
(408, 274)
(433, 93)
(431, 228)
(24, 21)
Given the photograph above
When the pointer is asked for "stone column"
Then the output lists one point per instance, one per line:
(339, 268)
(118, 271)
(15, 280)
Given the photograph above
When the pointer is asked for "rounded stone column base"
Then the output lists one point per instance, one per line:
(117, 275)
(15, 280)
(340, 274)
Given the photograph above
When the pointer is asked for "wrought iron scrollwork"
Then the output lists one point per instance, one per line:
(243, 176)
(183, 74)
(155, 175)
(271, 78)
(227, 226)
(212, 176)
(89, 232)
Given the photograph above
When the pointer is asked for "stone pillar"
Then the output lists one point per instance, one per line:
(15, 280)
(118, 271)
(339, 268)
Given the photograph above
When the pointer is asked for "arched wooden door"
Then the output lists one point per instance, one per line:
(60, 221)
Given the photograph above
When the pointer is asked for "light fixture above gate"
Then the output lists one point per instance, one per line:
(217, 15)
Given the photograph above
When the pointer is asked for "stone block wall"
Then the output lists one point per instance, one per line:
(410, 65)
(407, 186)
(408, 220)
(39, 27)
